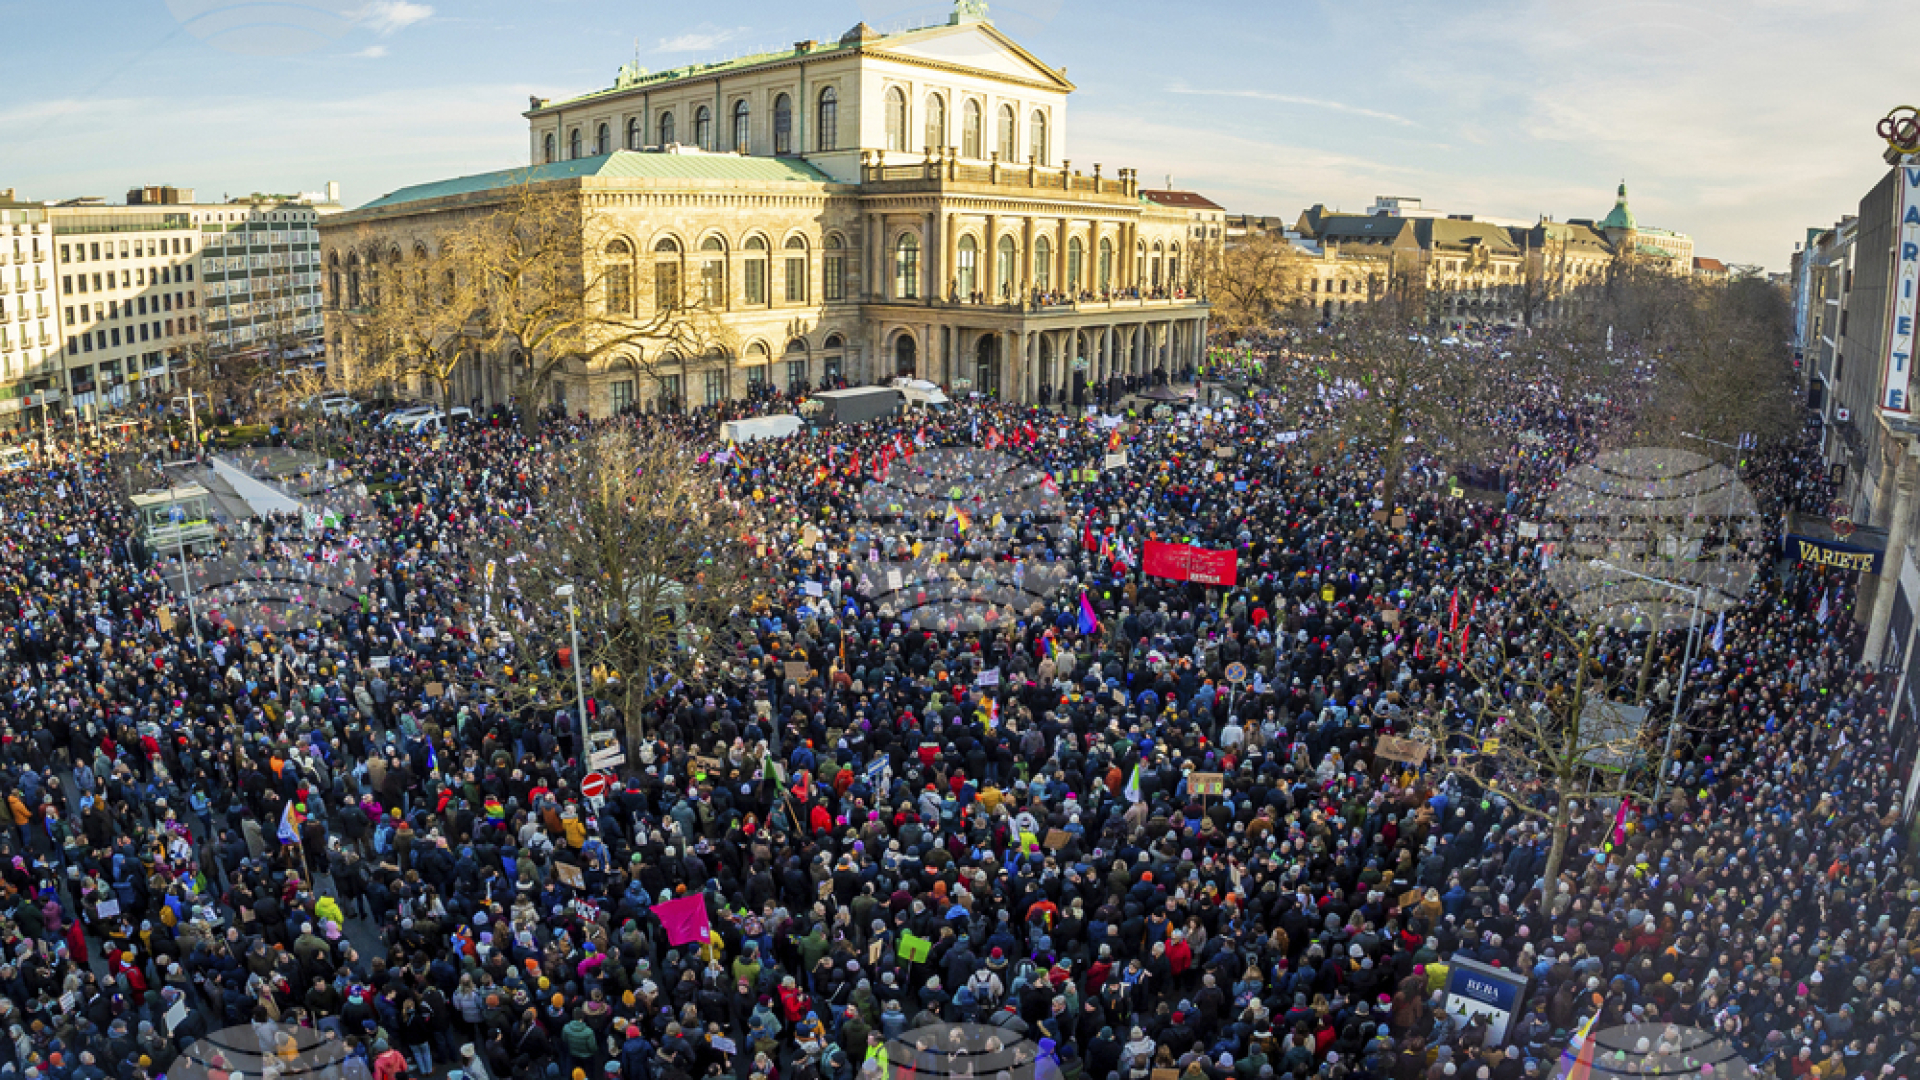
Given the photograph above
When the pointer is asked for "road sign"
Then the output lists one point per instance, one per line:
(1236, 672)
(610, 758)
(593, 785)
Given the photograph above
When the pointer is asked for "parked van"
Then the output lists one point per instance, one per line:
(14, 459)
(435, 422)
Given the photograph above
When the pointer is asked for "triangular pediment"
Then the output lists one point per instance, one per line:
(973, 46)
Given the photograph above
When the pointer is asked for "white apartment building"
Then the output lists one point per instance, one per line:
(29, 325)
(260, 265)
(129, 300)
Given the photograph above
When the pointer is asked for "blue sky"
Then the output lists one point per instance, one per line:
(1739, 121)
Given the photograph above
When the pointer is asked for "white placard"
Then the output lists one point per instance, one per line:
(893, 579)
(107, 909)
(989, 677)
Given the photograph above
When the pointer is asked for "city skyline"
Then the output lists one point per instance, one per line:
(1505, 109)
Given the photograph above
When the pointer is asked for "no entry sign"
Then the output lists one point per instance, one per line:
(593, 785)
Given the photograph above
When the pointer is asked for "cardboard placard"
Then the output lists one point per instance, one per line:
(1206, 783)
(1395, 748)
(435, 689)
(1381, 516)
(166, 619)
(1391, 616)
(1057, 839)
(1412, 898)
(796, 670)
(1164, 1074)
(570, 875)
(1398, 521)
(708, 765)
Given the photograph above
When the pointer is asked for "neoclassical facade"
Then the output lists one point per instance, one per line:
(883, 205)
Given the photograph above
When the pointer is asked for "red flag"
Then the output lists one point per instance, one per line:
(1031, 435)
(993, 439)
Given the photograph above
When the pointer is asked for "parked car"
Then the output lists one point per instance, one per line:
(404, 418)
(435, 421)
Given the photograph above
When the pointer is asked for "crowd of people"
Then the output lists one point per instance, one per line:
(314, 818)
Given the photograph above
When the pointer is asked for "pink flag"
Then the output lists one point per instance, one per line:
(685, 919)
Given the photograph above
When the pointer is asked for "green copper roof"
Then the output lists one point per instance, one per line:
(619, 165)
(1620, 217)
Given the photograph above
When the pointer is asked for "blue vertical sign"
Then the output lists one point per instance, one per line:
(1476, 989)
(1895, 388)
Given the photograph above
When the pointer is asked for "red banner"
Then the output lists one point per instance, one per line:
(1183, 562)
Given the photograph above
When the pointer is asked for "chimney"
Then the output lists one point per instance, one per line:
(333, 191)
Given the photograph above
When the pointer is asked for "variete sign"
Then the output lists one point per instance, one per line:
(1184, 562)
(1837, 555)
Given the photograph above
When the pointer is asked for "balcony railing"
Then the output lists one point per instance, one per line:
(949, 168)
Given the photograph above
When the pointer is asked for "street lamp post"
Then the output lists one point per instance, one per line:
(179, 517)
(565, 592)
(1693, 634)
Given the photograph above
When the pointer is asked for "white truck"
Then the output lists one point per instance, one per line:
(778, 426)
(921, 395)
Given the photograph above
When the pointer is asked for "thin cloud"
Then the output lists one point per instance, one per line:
(1293, 99)
(371, 52)
(385, 17)
(703, 38)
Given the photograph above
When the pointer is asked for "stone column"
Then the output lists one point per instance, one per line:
(1060, 238)
(930, 260)
(950, 241)
(1906, 470)
(1026, 254)
(876, 256)
(990, 254)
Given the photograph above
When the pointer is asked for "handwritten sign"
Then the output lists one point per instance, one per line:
(1057, 839)
(796, 670)
(1206, 783)
(1395, 748)
(570, 875)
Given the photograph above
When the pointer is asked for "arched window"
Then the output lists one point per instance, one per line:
(966, 268)
(795, 270)
(353, 279)
(1006, 133)
(833, 272)
(1037, 137)
(1042, 263)
(602, 140)
(548, 145)
(796, 364)
(573, 145)
(619, 278)
(970, 129)
(1075, 266)
(1140, 264)
(826, 133)
(666, 129)
(636, 135)
(1006, 269)
(742, 126)
(896, 119)
(1173, 267)
(1153, 272)
(666, 274)
(756, 271)
(906, 267)
(936, 122)
(783, 125)
(1106, 262)
(703, 128)
(713, 272)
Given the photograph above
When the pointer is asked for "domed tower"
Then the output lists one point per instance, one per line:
(1618, 224)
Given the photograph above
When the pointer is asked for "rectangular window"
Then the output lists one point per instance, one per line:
(620, 290)
(834, 275)
(143, 331)
(69, 314)
(796, 281)
(716, 387)
(757, 375)
(66, 253)
(116, 337)
(93, 251)
(66, 284)
(796, 374)
(622, 395)
(756, 281)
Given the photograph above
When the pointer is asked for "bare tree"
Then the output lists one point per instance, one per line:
(660, 565)
(1547, 731)
(1258, 284)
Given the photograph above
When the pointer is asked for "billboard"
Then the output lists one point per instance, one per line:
(1475, 989)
